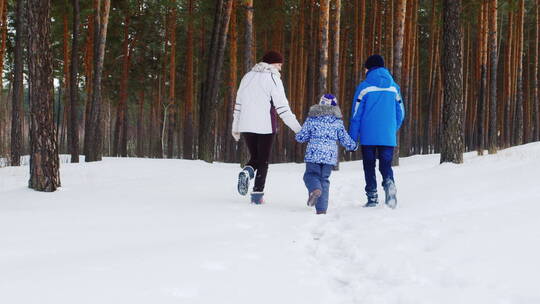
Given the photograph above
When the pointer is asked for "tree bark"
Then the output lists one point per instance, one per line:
(336, 48)
(95, 131)
(428, 127)
(89, 75)
(172, 83)
(335, 61)
(140, 124)
(248, 53)
(64, 101)
(18, 91)
(483, 50)
(452, 138)
(4, 29)
(74, 86)
(120, 131)
(520, 55)
(44, 160)
(493, 61)
(213, 79)
(536, 95)
(233, 83)
(188, 109)
(323, 51)
(401, 10)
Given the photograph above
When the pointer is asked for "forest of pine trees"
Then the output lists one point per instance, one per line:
(157, 78)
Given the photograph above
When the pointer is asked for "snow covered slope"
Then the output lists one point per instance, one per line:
(175, 231)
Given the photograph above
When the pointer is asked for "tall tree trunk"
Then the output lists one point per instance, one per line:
(493, 61)
(389, 35)
(249, 39)
(483, 50)
(3, 105)
(399, 32)
(323, 51)
(405, 79)
(335, 61)
(375, 13)
(74, 86)
(18, 91)
(89, 76)
(63, 124)
(95, 131)
(360, 21)
(233, 82)
(44, 160)
(172, 83)
(520, 55)
(508, 82)
(336, 48)
(452, 142)
(188, 109)
(536, 95)
(140, 124)
(428, 129)
(213, 80)
(120, 134)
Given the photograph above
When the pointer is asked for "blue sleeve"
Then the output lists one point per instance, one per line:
(305, 133)
(344, 139)
(400, 109)
(356, 116)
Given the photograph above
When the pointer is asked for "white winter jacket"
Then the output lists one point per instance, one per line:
(259, 90)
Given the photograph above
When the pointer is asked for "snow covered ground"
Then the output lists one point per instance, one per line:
(175, 231)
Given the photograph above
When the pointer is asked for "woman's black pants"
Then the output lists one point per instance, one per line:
(259, 146)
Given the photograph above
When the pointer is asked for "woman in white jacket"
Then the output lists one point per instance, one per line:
(260, 98)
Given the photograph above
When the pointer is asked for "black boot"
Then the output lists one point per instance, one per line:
(372, 199)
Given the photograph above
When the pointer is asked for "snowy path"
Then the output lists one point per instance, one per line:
(172, 231)
(462, 234)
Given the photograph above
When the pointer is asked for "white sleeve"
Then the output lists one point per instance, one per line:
(237, 109)
(282, 105)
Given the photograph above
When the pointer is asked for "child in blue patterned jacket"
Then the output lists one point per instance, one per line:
(321, 130)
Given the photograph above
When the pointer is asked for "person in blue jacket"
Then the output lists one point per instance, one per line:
(322, 130)
(377, 115)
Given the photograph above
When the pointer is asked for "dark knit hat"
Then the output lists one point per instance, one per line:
(272, 57)
(374, 61)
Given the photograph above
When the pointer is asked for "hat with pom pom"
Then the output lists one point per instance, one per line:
(328, 99)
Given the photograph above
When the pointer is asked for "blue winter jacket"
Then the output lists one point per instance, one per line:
(377, 110)
(322, 129)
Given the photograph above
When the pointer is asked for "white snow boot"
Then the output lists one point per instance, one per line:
(390, 194)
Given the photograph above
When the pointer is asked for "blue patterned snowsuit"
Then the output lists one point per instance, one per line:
(322, 130)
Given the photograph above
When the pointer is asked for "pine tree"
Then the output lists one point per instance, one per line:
(323, 53)
(18, 91)
(493, 59)
(536, 76)
(452, 142)
(93, 137)
(213, 79)
(188, 108)
(44, 160)
(74, 86)
(401, 10)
